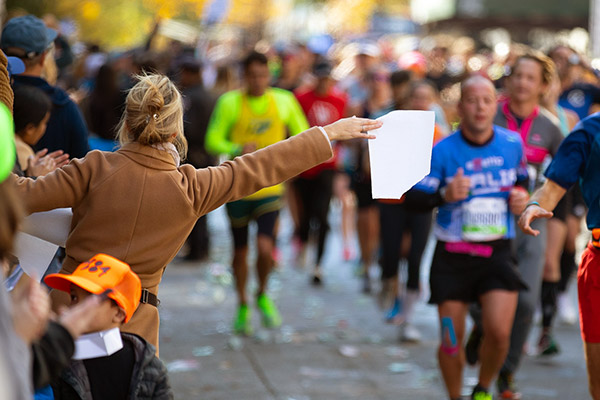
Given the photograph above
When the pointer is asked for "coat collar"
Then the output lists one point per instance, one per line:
(148, 156)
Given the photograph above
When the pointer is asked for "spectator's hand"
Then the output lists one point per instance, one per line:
(352, 128)
(77, 319)
(458, 188)
(42, 163)
(30, 311)
(530, 214)
(517, 200)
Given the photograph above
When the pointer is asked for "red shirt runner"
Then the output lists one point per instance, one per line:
(321, 111)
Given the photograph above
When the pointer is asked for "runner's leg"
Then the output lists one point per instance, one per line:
(557, 231)
(265, 242)
(451, 356)
(497, 314)
(530, 262)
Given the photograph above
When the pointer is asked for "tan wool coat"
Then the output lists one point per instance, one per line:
(136, 205)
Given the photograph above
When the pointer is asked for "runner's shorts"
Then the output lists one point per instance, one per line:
(572, 203)
(263, 211)
(588, 285)
(465, 277)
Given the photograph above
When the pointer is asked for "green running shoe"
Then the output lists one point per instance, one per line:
(270, 315)
(481, 395)
(547, 346)
(243, 322)
(506, 386)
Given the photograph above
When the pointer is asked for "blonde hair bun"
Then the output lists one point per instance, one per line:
(153, 113)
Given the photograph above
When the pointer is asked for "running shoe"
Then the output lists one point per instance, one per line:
(243, 322)
(270, 315)
(506, 386)
(409, 333)
(547, 346)
(472, 346)
(393, 314)
(479, 393)
(316, 279)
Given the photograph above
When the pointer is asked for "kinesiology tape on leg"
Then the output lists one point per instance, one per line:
(449, 343)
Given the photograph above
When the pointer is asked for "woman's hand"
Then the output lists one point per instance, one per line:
(352, 128)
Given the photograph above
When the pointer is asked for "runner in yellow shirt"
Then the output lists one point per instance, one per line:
(244, 121)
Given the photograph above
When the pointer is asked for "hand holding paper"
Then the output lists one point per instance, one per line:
(401, 153)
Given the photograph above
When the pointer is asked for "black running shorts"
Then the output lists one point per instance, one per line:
(465, 277)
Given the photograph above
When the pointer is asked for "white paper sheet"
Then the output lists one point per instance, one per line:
(41, 235)
(400, 156)
(51, 226)
(34, 254)
(98, 344)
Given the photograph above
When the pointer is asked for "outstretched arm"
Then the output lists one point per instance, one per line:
(274, 164)
(544, 199)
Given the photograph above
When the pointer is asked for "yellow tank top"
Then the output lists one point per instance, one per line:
(262, 129)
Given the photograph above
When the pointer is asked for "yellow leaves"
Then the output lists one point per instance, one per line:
(90, 10)
(175, 9)
(349, 15)
(248, 13)
(125, 23)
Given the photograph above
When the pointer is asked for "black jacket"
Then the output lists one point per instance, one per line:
(149, 380)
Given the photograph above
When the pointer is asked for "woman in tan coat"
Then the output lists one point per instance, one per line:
(139, 205)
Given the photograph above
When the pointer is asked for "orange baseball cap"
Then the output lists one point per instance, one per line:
(100, 273)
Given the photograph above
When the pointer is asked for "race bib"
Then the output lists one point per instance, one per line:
(484, 219)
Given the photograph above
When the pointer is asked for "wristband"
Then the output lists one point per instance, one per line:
(532, 203)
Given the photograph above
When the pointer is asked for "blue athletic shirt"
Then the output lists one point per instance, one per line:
(578, 160)
(494, 168)
(580, 97)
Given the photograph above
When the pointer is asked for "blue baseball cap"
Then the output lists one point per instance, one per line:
(15, 66)
(27, 33)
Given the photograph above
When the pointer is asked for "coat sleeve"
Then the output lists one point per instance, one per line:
(245, 175)
(64, 187)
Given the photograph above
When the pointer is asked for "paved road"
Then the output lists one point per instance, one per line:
(333, 344)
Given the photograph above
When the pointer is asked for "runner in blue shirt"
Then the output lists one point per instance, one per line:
(478, 179)
(578, 161)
